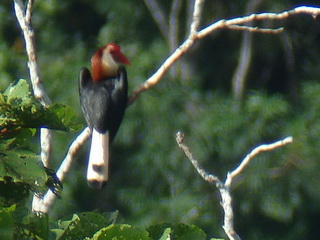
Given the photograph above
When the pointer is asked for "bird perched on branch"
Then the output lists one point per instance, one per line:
(103, 99)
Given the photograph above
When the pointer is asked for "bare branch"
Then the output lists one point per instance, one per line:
(74, 147)
(45, 145)
(226, 203)
(226, 199)
(253, 153)
(24, 19)
(28, 33)
(44, 204)
(198, 5)
(189, 14)
(206, 176)
(234, 23)
(29, 12)
(225, 188)
(313, 11)
(256, 29)
(155, 78)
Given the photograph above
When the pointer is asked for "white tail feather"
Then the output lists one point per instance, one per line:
(98, 166)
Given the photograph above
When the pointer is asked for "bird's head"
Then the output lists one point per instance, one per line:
(106, 61)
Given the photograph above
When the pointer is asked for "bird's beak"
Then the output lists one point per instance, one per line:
(120, 58)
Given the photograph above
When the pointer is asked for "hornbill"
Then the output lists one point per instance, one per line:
(103, 100)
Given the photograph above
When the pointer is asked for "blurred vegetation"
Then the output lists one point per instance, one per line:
(151, 180)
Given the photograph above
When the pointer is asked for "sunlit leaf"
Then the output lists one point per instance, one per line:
(121, 231)
(62, 117)
(80, 226)
(19, 91)
(20, 109)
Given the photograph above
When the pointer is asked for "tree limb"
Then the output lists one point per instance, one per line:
(234, 23)
(24, 18)
(262, 148)
(44, 204)
(225, 188)
(155, 78)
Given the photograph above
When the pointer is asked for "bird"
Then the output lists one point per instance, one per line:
(103, 100)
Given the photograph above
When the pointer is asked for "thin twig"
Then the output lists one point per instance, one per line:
(262, 148)
(73, 149)
(189, 15)
(206, 176)
(313, 11)
(29, 11)
(198, 6)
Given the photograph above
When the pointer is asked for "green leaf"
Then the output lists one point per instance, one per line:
(112, 217)
(121, 231)
(18, 108)
(66, 226)
(80, 226)
(19, 90)
(179, 231)
(25, 225)
(23, 166)
(2, 99)
(35, 225)
(166, 234)
(62, 117)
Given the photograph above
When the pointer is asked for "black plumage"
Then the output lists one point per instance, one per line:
(103, 102)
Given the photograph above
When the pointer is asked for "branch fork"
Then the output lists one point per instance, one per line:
(225, 187)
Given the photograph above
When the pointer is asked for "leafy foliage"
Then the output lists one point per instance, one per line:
(19, 109)
(18, 223)
(21, 166)
(95, 226)
(20, 114)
